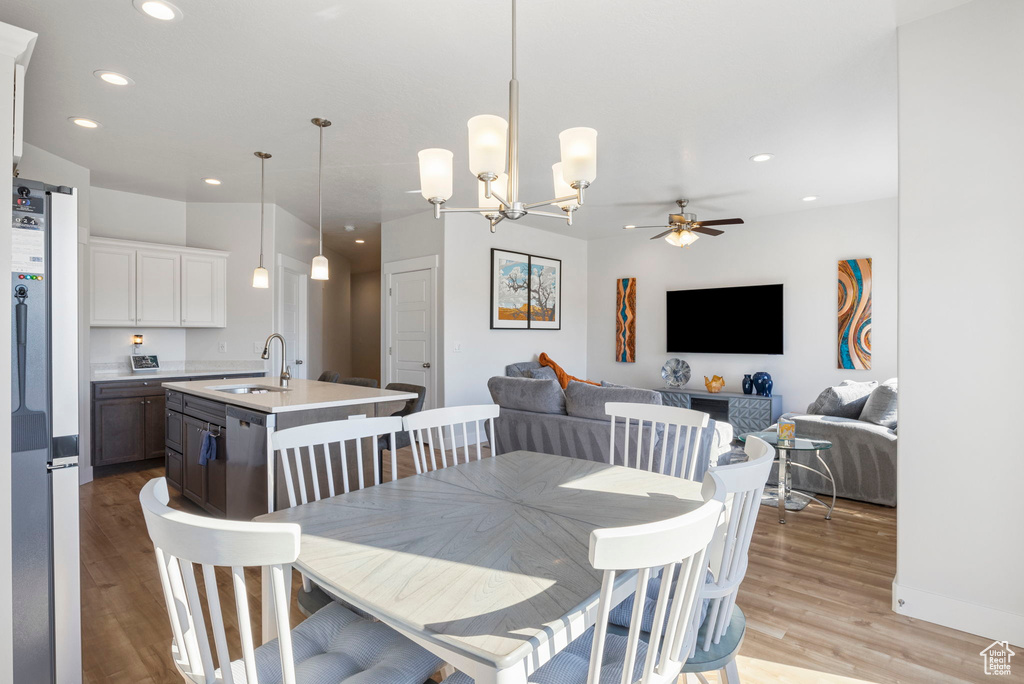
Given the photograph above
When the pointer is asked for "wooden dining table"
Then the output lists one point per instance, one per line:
(486, 563)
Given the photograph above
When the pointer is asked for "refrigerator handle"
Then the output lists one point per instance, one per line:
(62, 271)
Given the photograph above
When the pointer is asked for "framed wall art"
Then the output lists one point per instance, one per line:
(526, 291)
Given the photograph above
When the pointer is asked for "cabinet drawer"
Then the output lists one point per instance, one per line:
(175, 401)
(130, 388)
(173, 468)
(174, 430)
(205, 410)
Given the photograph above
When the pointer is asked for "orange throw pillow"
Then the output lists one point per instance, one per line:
(563, 378)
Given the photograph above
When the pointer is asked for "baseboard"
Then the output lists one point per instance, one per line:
(972, 618)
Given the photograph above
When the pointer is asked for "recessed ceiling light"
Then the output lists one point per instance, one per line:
(763, 157)
(113, 78)
(158, 9)
(810, 198)
(359, 242)
(211, 181)
(83, 122)
(349, 229)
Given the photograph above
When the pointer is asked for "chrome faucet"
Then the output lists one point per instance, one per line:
(285, 370)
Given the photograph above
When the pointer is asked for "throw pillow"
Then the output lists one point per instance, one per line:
(845, 400)
(880, 407)
(563, 378)
(586, 400)
(543, 373)
(527, 394)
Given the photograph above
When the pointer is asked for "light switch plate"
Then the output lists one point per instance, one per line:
(222, 347)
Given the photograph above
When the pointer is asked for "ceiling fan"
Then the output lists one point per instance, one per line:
(683, 228)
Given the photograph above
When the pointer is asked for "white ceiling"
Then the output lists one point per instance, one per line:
(682, 93)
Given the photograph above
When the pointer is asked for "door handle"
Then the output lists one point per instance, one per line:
(298, 362)
(426, 365)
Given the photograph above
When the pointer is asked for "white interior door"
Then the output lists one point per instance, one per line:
(410, 343)
(292, 315)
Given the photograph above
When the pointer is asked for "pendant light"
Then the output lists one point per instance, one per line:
(260, 276)
(319, 268)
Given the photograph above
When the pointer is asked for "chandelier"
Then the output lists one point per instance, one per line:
(494, 160)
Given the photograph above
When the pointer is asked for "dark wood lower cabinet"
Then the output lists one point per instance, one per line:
(155, 434)
(173, 465)
(204, 485)
(120, 431)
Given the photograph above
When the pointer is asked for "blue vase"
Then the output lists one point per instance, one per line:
(763, 384)
(748, 385)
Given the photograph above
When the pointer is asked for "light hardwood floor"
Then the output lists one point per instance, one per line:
(816, 596)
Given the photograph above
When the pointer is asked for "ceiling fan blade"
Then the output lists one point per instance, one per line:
(706, 231)
(722, 222)
(661, 225)
(661, 235)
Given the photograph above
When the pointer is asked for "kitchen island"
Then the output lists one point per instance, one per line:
(242, 416)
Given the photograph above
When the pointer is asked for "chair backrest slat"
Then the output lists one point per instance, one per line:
(679, 432)
(317, 442)
(663, 546)
(217, 621)
(740, 486)
(449, 425)
(181, 542)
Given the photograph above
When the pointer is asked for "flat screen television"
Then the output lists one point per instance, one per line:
(725, 320)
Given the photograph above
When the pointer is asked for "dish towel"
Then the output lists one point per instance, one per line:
(208, 450)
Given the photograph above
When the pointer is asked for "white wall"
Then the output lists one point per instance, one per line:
(800, 250)
(486, 352)
(130, 216)
(961, 466)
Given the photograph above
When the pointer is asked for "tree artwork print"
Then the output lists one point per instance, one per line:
(545, 293)
(526, 291)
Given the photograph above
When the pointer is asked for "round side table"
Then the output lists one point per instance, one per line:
(785, 486)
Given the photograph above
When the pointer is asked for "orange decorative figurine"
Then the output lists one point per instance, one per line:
(715, 384)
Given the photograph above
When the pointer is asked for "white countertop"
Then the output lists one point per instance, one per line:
(115, 376)
(301, 395)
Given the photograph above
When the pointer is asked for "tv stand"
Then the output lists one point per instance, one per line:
(745, 412)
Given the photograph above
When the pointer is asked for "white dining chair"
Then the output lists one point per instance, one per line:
(674, 437)
(308, 465)
(739, 487)
(305, 453)
(332, 645)
(430, 454)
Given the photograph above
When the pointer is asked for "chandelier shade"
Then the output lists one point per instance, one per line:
(488, 144)
(579, 154)
(436, 173)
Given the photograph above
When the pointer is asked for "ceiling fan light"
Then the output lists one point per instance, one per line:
(579, 154)
(319, 270)
(260, 277)
(562, 189)
(436, 173)
(681, 238)
(488, 144)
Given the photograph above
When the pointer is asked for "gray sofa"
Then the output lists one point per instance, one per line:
(536, 415)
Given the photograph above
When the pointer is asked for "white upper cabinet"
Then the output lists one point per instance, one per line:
(203, 291)
(156, 286)
(112, 285)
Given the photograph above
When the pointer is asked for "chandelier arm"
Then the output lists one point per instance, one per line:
(495, 221)
(501, 199)
(548, 214)
(567, 198)
(465, 210)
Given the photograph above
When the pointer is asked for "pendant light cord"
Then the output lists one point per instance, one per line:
(263, 162)
(320, 189)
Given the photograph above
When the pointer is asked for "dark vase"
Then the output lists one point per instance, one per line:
(748, 385)
(763, 384)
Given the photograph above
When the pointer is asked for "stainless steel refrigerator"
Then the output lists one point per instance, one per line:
(44, 434)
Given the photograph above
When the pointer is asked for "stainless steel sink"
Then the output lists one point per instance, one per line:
(250, 389)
